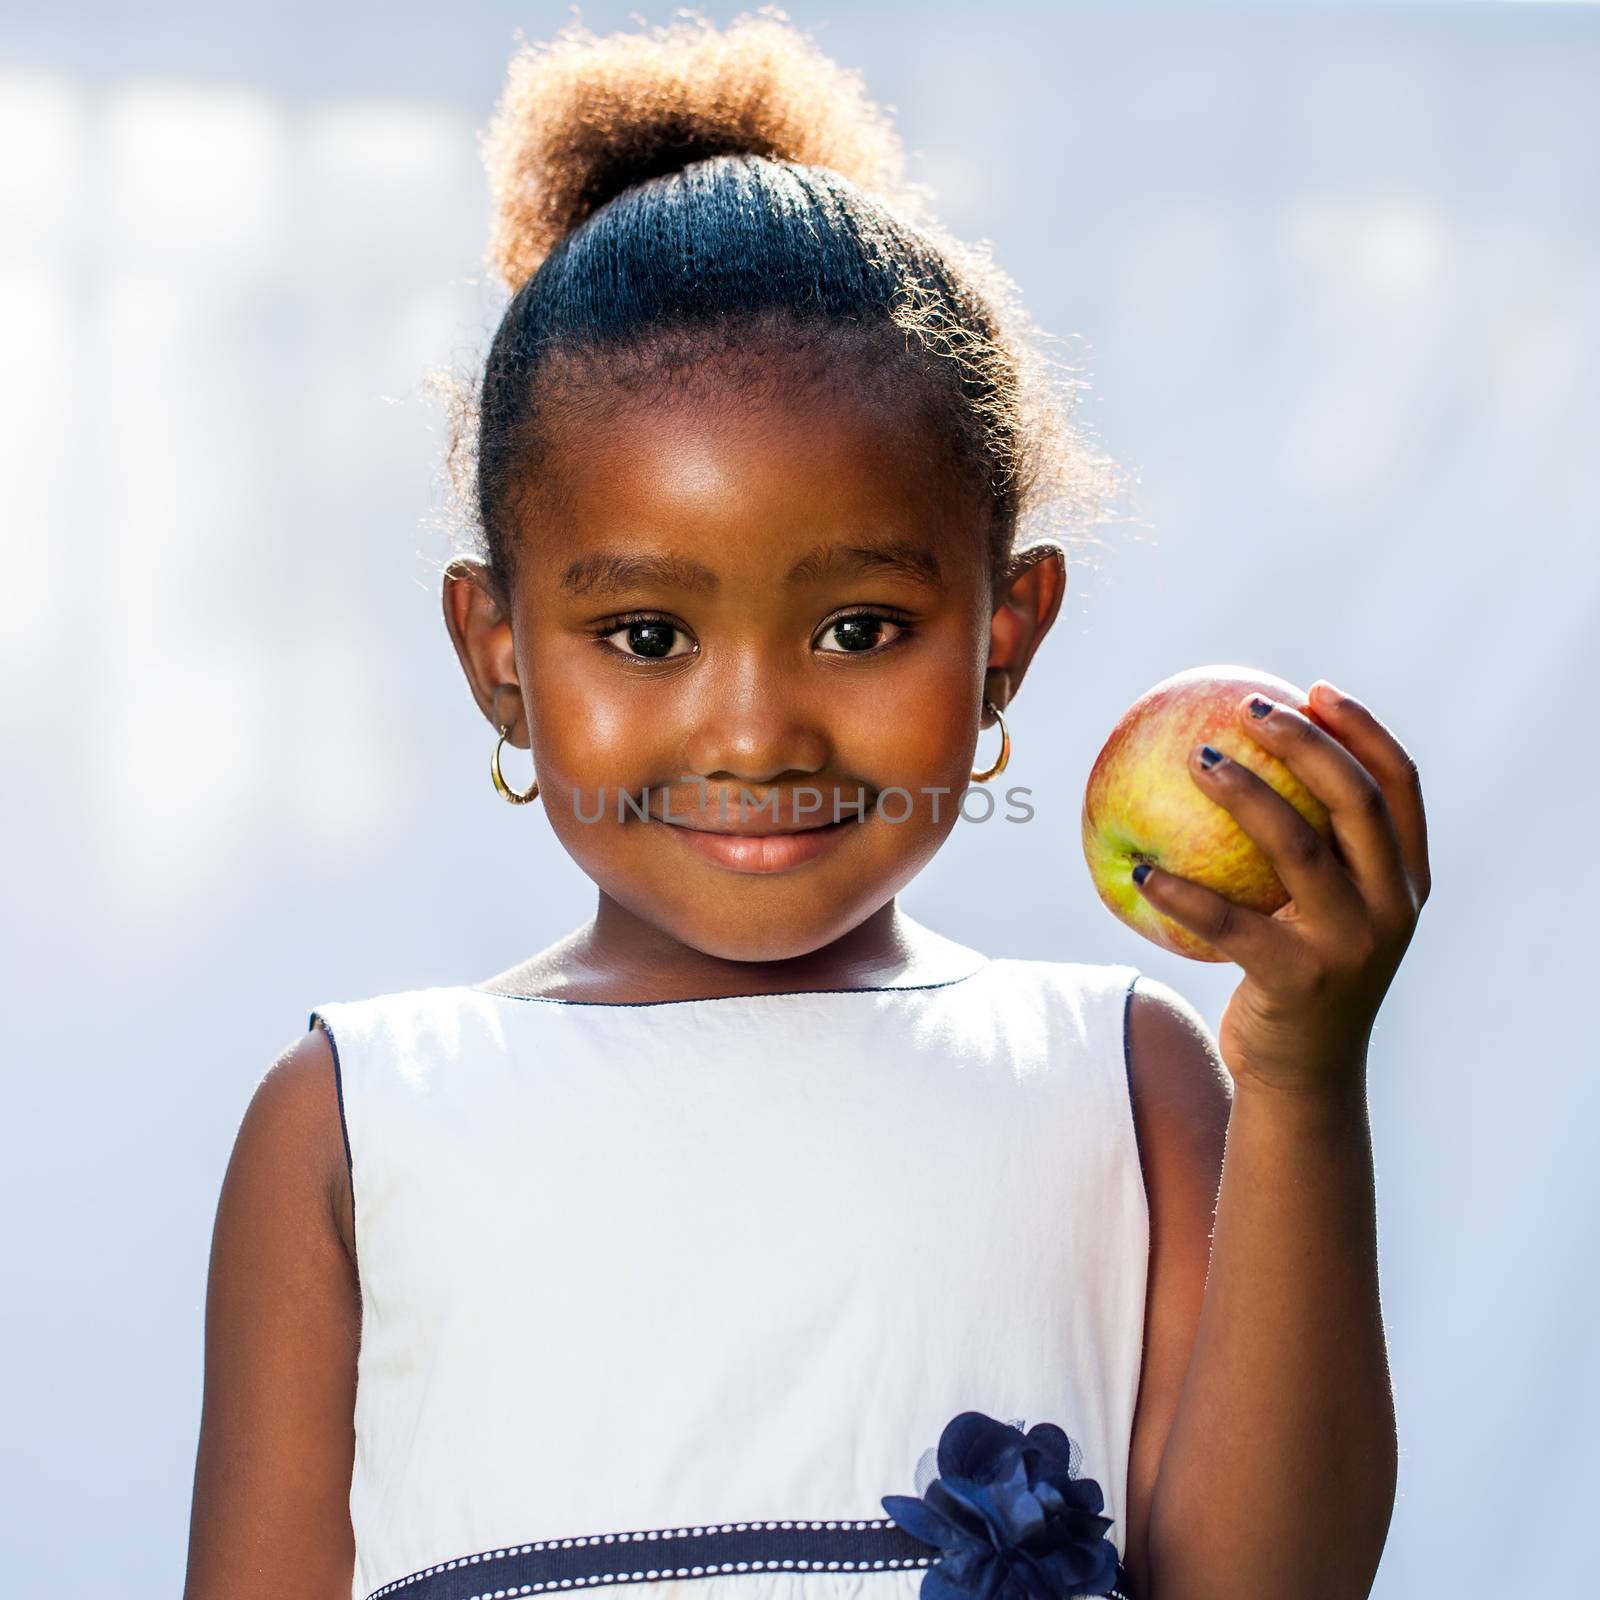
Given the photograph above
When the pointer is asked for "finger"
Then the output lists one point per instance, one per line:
(1242, 935)
(1356, 803)
(1391, 764)
(1304, 861)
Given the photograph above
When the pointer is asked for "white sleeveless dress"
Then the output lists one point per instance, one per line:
(676, 1292)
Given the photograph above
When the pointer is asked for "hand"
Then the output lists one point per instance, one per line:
(1317, 969)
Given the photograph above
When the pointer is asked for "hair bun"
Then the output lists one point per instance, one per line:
(583, 117)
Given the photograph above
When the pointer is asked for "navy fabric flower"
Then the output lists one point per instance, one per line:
(1012, 1519)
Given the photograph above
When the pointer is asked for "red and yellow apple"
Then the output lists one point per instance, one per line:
(1143, 802)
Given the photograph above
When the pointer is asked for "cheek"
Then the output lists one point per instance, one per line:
(598, 729)
(590, 724)
(922, 720)
(924, 747)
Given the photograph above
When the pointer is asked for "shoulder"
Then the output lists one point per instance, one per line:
(291, 1138)
(1181, 1090)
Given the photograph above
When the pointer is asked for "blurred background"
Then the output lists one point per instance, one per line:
(1332, 276)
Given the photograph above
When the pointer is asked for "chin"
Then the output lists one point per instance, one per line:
(773, 932)
(750, 917)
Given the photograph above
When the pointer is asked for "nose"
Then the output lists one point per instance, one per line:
(753, 722)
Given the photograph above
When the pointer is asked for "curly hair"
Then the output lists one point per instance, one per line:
(683, 204)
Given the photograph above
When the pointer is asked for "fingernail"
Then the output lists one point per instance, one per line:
(1209, 757)
(1325, 693)
(1258, 706)
(1141, 872)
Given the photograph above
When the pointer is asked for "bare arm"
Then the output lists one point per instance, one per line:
(1264, 1454)
(1181, 1095)
(271, 1513)
(1279, 1475)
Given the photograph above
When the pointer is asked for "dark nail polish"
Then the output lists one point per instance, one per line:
(1209, 757)
(1259, 707)
(1141, 872)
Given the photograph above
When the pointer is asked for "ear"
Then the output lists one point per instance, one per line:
(480, 629)
(1029, 602)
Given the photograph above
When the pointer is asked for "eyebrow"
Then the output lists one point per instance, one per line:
(609, 571)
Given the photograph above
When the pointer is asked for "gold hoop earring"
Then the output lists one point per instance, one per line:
(499, 780)
(1005, 747)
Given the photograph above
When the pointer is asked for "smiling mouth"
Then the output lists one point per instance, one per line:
(765, 852)
(760, 833)
(717, 822)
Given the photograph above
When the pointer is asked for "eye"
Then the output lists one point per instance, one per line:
(861, 632)
(646, 637)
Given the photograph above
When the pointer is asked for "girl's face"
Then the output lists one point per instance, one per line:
(749, 619)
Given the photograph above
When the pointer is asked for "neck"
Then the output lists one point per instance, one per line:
(620, 957)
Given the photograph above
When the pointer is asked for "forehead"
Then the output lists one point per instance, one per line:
(752, 480)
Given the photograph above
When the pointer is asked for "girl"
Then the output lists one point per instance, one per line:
(755, 1240)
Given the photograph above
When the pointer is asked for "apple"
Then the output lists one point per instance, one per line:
(1143, 803)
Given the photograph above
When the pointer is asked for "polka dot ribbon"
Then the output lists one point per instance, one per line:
(710, 1550)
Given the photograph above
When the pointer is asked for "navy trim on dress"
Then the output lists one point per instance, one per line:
(714, 1550)
(1127, 1067)
(338, 1089)
(1127, 1011)
(706, 999)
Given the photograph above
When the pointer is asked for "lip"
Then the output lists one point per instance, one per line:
(765, 852)
(718, 819)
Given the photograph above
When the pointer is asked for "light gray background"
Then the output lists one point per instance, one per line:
(1332, 274)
